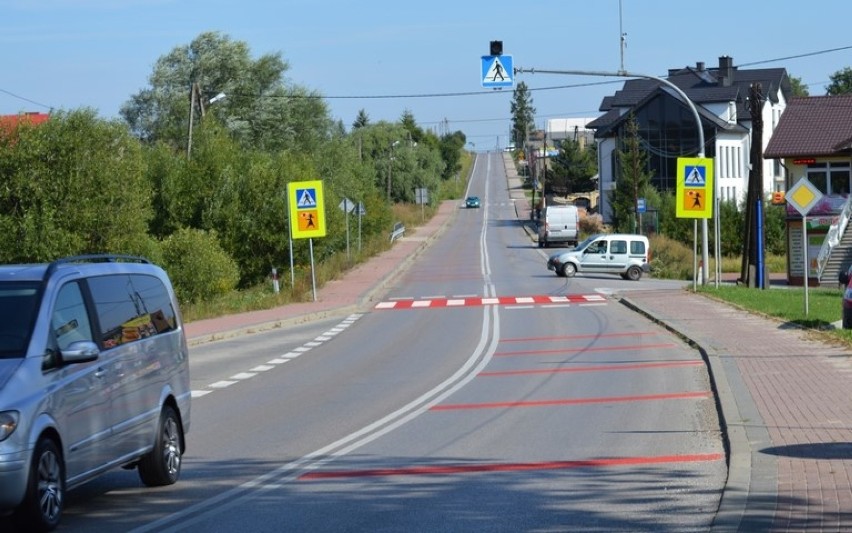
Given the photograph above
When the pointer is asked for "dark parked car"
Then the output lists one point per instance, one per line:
(845, 279)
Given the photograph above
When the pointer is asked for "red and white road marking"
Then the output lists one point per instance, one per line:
(578, 299)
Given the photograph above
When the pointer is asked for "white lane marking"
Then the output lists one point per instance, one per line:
(451, 303)
(281, 359)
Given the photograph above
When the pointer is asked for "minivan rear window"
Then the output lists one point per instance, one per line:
(131, 307)
(18, 309)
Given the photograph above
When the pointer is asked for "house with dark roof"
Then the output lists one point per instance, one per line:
(813, 140)
(668, 130)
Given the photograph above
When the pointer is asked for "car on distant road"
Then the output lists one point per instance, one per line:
(472, 201)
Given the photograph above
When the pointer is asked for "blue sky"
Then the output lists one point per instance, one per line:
(387, 57)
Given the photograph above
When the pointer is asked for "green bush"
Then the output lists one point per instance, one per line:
(198, 266)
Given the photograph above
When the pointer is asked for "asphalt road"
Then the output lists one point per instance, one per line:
(482, 393)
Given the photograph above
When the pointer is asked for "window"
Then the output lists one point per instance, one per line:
(637, 247)
(70, 320)
(830, 178)
(18, 308)
(131, 307)
(618, 247)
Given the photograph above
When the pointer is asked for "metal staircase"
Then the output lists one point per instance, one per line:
(836, 253)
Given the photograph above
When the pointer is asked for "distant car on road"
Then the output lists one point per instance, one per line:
(472, 201)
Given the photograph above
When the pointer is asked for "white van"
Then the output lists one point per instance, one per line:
(617, 253)
(558, 224)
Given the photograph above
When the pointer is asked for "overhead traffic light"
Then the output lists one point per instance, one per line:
(496, 48)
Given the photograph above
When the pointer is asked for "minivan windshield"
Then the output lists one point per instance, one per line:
(18, 308)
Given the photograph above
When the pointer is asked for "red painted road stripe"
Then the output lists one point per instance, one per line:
(586, 349)
(593, 368)
(571, 401)
(583, 336)
(512, 467)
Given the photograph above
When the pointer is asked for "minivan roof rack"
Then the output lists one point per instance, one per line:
(93, 258)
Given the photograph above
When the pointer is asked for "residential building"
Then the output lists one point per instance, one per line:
(668, 129)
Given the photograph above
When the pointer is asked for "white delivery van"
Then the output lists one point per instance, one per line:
(624, 254)
(558, 224)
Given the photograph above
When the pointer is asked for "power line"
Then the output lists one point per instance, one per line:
(26, 99)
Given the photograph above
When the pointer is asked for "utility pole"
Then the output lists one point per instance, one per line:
(753, 266)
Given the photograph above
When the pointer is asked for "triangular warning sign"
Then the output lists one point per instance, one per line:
(497, 73)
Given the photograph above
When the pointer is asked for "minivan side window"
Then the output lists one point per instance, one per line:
(637, 247)
(70, 321)
(131, 307)
(618, 247)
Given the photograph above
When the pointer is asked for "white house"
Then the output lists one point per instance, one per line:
(668, 130)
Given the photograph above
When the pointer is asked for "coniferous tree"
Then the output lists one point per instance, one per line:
(633, 176)
(523, 114)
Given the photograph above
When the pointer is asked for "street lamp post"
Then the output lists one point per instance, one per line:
(195, 96)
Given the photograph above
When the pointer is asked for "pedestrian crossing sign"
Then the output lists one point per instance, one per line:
(307, 212)
(497, 72)
(694, 193)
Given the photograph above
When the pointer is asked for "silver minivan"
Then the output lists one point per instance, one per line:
(94, 375)
(627, 255)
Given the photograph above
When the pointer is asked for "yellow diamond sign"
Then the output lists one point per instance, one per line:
(803, 196)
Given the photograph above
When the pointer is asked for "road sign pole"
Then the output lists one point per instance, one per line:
(805, 255)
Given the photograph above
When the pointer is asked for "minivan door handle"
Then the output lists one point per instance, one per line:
(100, 372)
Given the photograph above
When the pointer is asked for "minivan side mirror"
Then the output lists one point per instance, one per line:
(80, 352)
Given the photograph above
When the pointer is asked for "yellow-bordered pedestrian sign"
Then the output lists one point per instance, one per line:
(307, 212)
(694, 194)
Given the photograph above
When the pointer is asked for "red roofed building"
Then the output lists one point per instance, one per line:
(8, 123)
(814, 140)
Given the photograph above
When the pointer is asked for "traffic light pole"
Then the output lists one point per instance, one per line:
(624, 74)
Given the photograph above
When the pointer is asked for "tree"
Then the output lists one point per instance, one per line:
(633, 177)
(361, 120)
(573, 168)
(258, 109)
(74, 184)
(798, 88)
(523, 114)
(841, 82)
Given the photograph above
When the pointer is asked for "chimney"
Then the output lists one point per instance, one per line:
(699, 66)
(726, 71)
